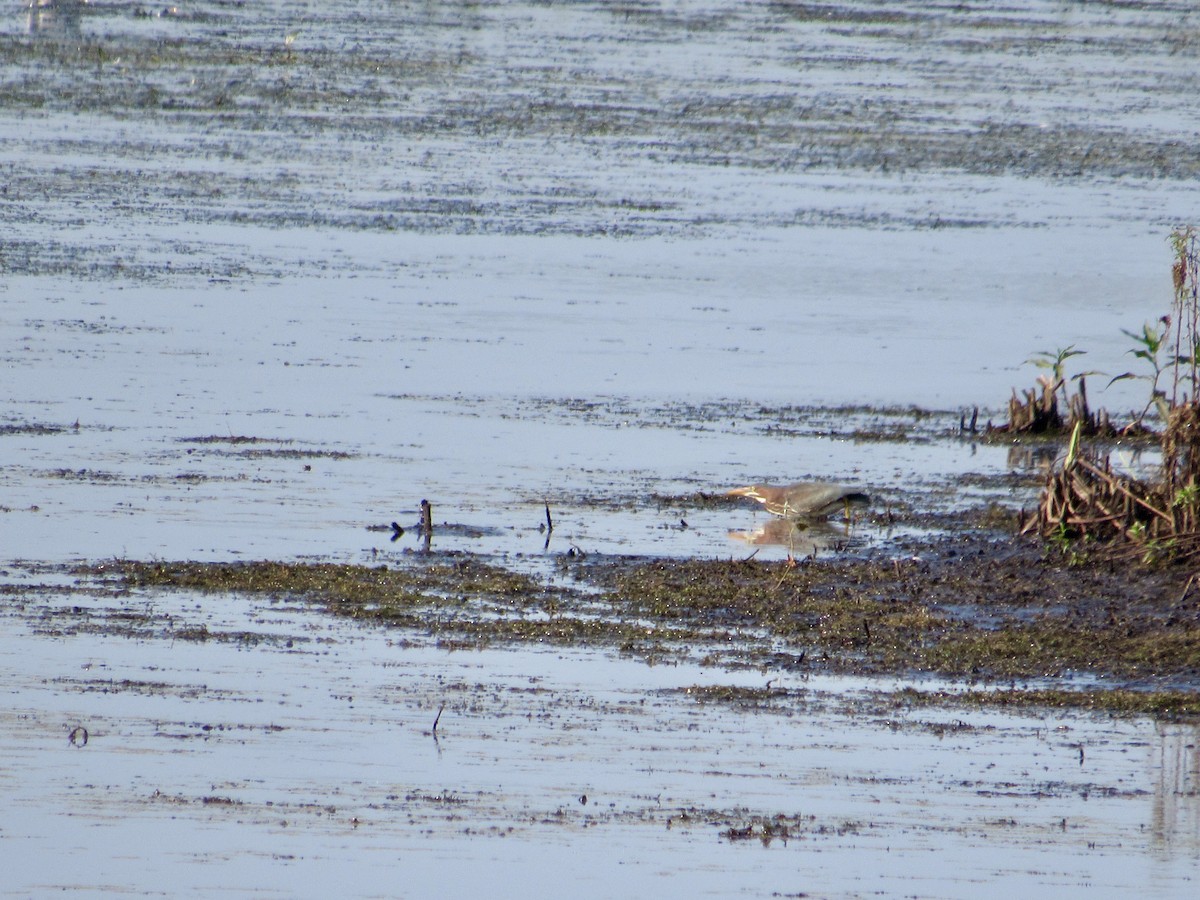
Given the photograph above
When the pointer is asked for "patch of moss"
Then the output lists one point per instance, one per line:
(1051, 647)
(1012, 616)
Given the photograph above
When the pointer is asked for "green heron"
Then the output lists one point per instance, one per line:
(807, 500)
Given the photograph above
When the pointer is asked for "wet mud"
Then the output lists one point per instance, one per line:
(967, 604)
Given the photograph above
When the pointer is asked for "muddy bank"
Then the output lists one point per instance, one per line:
(979, 607)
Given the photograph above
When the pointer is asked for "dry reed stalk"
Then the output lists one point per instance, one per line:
(1034, 413)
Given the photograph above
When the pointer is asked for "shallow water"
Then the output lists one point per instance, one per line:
(293, 754)
(501, 256)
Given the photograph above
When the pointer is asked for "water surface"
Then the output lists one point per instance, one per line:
(273, 273)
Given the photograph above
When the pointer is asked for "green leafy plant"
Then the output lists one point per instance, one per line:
(1056, 363)
(1062, 538)
(1188, 495)
(1150, 344)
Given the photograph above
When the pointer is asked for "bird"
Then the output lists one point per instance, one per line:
(806, 500)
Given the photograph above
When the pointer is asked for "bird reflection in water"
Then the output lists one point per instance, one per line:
(803, 539)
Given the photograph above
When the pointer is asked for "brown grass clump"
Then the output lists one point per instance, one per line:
(1087, 499)
(1035, 412)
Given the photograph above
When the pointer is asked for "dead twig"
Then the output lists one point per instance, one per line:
(1187, 587)
(427, 522)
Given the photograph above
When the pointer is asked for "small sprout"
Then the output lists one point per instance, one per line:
(1056, 363)
(1186, 496)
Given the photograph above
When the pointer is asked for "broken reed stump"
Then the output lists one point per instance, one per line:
(972, 428)
(549, 527)
(1094, 424)
(426, 522)
(1032, 413)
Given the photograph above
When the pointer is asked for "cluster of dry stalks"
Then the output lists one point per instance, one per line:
(1037, 412)
(1085, 498)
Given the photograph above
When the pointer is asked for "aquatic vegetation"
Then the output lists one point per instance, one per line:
(1148, 346)
(965, 609)
(469, 602)
(1151, 520)
(362, 587)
